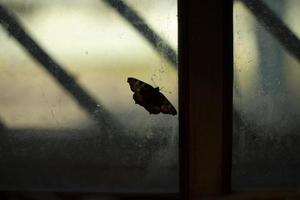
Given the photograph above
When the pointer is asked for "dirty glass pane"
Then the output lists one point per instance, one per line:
(75, 125)
(266, 141)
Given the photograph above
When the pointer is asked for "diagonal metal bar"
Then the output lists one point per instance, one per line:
(85, 100)
(140, 25)
(275, 26)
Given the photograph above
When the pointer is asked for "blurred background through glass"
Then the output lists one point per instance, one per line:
(266, 119)
(48, 140)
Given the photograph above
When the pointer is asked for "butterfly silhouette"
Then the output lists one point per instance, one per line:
(150, 98)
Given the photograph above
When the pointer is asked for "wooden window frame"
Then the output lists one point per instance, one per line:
(205, 100)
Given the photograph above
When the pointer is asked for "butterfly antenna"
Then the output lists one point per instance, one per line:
(161, 89)
(152, 79)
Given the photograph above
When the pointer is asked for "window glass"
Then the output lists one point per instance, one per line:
(54, 139)
(266, 96)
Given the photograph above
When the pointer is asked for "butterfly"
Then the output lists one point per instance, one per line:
(150, 98)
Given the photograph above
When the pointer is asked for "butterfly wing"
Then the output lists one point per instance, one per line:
(137, 85)
(165, 106)
(140, 90)
(168, 108)
(150, 98)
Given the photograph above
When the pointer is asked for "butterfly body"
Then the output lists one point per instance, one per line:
(150, 98)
